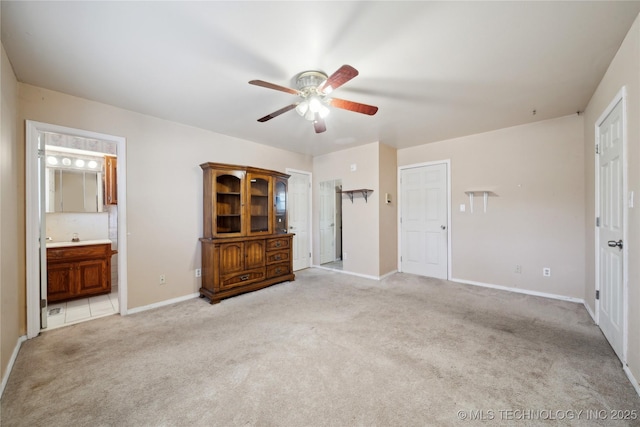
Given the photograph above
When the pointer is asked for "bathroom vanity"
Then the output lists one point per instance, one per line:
(78, 269)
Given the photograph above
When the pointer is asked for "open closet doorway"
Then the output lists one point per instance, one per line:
(76, 208)
(331, 224)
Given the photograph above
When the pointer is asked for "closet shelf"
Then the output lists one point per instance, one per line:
(364, 191)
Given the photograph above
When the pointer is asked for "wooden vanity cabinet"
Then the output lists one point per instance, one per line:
(245, 245)
(78, 271)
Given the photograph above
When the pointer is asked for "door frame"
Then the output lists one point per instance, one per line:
(33, 130)
(447, 162)
(620, 97)
(309, 209)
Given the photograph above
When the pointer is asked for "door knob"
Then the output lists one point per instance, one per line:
(443, 227)
(613, 244)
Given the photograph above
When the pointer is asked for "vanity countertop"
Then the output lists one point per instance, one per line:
(80, 243)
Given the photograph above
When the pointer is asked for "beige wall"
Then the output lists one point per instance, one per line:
(388, 225)
(536, 221)
(624, 70)
(364, 224)
(164, 184)
(12, 210)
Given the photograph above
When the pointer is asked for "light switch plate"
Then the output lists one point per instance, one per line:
(463, 207)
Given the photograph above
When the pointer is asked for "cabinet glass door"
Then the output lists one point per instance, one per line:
(260, 203)
(228, 205)
(280, 217)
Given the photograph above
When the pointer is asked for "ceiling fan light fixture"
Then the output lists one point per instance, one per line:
(302, 108)
(310, 106)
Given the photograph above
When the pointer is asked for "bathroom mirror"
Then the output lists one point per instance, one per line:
(70, 190)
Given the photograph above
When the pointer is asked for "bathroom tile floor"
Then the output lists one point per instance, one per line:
(81, 310)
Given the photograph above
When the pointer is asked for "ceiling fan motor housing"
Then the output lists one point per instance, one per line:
(308, 82)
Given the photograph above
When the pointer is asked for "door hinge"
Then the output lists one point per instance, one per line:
(43, 303)
(597, 221)
(309, 254)
(40, 153)
(400, 258)
(597, 148)
(597, 294)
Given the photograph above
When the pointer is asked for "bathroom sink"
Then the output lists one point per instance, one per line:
(80, 243)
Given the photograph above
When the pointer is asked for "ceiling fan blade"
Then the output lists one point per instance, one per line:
(277, 113)
(353, 106)
(337, 79)
(274, 86)
(319, 124)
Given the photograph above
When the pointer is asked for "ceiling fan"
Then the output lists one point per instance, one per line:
(314, 88)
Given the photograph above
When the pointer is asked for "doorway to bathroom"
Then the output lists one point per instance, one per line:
(71, 205)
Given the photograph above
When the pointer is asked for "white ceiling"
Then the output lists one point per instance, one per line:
(436, 70)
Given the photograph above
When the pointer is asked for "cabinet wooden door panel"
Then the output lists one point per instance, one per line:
(111, 180)
(254, 254)
(92, 277)
(231, 257)
(59, 281)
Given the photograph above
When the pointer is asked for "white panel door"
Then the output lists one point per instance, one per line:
(327, 222)
(610, 249)
(423, 220)
(299, 219)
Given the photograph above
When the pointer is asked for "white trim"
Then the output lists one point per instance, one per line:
(633, 380)
(350, 273)
(449, 251)
(520, 291)
(309, 209)
(591, 313)
(33, 129)
(620, 97)
(163, 303)
(12, 361)
(384, 276)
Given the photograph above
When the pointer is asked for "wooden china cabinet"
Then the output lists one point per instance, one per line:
(245, 246)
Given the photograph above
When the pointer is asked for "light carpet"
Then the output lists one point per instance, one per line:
(328, 349)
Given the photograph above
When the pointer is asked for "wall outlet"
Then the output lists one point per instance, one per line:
(198, 272)
(546, 272)
(163, 279)
(344, 255)
(518, 269)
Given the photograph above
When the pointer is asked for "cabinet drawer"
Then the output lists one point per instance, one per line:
(279, 256)
(279, 243)
(243, 278)
(277, 270)
(75, 252)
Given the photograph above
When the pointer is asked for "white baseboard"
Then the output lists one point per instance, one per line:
(633, 380)
(384, 276)
(14, 356)
(591, 313)
(366, 276)
(162, 303)
(520, 291)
